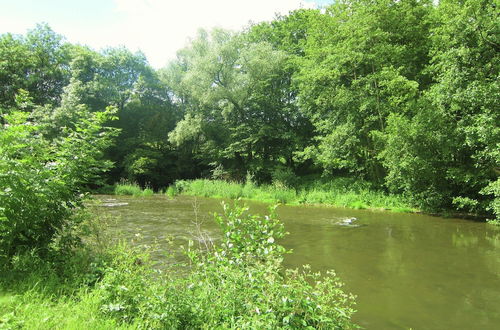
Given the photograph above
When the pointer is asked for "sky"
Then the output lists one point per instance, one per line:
(156, 27)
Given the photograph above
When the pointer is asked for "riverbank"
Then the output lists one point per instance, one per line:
(341, 192)
(338, 193)
(239, 284)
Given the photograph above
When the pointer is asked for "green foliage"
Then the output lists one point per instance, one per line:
(362, 61)
(249, 239)
(147, 192)
(127, 188)
(494, 189)
(210, 188)
(238, 284)
(284, 176)
(402, 94)
(240, 114)
(58, 293)
(172, 191)
(36, 62)
(445, 153)
(42, 182)
(341, 192)
(416, 153)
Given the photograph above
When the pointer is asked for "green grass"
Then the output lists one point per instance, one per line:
(133, 189)
(32, 310)
(148, 192)
(341, 192)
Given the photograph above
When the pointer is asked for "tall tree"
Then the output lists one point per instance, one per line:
(361, 63)
(453, 158)
(37, 63)
(238, 105)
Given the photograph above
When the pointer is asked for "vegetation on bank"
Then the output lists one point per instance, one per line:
(126, 188)
(400, 93)
(343, 192)
(238, 284)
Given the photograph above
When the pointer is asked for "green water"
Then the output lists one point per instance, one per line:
(408, 271)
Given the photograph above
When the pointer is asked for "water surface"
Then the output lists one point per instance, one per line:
(408, 271)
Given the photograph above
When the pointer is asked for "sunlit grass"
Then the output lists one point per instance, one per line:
(340, 193)
(133, 189)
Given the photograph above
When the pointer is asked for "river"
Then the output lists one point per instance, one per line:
(408, 271)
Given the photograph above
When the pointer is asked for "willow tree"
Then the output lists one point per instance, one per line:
(238, 105)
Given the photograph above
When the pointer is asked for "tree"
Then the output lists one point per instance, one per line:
(234, 93)
(362, 62)
(456, 160)
(37, 63)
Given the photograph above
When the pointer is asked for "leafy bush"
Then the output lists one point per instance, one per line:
(42, 181)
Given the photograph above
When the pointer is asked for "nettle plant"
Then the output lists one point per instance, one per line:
(241, 282)
(42, 180)
(249, 238)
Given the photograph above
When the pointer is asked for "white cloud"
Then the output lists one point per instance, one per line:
(160, 27)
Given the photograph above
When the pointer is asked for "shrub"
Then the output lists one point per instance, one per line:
(171, 191)
(42, 181)
(148, 192)
(241, 283)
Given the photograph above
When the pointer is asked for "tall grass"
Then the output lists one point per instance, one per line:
(127, 188)
(341, 192)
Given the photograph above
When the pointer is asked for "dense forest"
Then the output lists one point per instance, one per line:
(400, 94)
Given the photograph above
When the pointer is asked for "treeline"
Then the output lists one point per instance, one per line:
(402, 94)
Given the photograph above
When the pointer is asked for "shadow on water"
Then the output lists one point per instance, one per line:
(407, 270)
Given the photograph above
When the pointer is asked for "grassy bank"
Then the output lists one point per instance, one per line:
(239, 284)
(340, 193)
(127, 188)
(124, 188)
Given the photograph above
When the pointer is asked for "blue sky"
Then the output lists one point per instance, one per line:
(157, 27)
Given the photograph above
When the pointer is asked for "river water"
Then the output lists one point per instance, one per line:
(408, 271)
